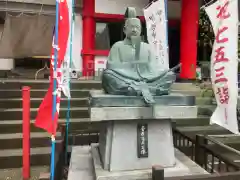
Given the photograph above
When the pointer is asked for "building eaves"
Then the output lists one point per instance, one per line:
(32, 6)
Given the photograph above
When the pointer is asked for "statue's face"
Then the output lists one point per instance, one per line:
(132, 27)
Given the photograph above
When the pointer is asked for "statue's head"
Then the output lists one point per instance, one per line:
(132, 25)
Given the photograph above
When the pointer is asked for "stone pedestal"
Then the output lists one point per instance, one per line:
(134, 136)
(120, 145)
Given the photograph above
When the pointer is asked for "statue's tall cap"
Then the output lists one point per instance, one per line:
(130, 13)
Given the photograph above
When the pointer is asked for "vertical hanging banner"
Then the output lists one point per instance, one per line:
(44, 115)
(223, 15)
(156, 22)
(66, 66)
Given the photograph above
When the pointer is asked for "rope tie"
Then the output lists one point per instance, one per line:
(53, 138)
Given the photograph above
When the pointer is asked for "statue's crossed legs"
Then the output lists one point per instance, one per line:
(113, 83)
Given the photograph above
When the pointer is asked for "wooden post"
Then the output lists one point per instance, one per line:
(200, 155)
(157, 173)
(26, 132)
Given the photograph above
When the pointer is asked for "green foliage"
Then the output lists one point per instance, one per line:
(206, 34)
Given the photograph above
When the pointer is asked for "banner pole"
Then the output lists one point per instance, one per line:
(69, 82)
(166, 25)
(54, 88)
(166, 16)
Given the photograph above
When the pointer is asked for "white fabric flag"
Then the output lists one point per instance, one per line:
(65, 68)
(156, 22)
(223, 15)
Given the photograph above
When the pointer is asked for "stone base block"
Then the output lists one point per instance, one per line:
(120, 145)
(132, 113)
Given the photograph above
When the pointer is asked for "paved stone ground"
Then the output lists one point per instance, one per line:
(16, 174)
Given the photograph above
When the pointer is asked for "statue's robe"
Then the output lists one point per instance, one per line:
(124, 73)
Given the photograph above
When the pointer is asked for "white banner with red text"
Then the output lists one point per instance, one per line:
(66, 71)
(223, 15)
(156, 24)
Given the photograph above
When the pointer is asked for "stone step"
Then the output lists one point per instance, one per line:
(16, 114)
(12, 158)
(40, 156)
(230, 155)
(184, 86)
(14, 141)
(76, 93)
(204, 101)
(39, 93)
(16, 173)
(197, 93)
(42, 139)
(78, 138)
(200, 128)
(15, 126)
(75, 84)
(191, 132)
(204, 130)
(77, 124)
(35, 102)
(200, 121)
(228, 139)
(206, 110)
(75, 102)
(77, 112)
(44, 84)
(82, 93)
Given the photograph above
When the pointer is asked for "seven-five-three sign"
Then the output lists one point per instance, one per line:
(224, 62)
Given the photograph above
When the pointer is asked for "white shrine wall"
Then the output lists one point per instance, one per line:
(77, 44)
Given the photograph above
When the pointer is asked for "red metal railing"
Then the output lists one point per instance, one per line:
(26, 132)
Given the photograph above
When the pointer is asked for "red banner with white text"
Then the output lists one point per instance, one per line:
(44, 117)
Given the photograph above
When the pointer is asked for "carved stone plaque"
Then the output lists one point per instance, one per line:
(142, 140)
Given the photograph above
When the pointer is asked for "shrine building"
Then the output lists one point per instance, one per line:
(98, 25)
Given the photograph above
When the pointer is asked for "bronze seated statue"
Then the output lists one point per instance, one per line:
(131, 66)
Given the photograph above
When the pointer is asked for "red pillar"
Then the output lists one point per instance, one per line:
(189, 35)
(88, 37)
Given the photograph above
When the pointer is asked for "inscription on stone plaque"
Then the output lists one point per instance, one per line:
(142, 140)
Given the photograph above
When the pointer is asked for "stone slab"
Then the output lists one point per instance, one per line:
(99, 99)
(132, 113)
(82, 167)
(184, 167)
(118, 145)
